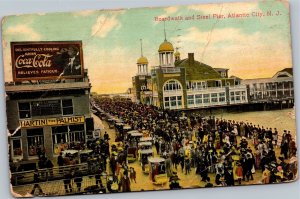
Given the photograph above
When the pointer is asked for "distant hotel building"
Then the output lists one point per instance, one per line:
(277, 89)
(189, 84)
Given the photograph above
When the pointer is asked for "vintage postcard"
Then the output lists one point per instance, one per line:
(108, 101)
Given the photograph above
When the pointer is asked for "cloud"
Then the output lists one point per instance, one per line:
(246, 55)
(171, 10)
(105, 23)
(20, 32)
(239, 7)
(85, 13)
(24, 31)
(167, 12)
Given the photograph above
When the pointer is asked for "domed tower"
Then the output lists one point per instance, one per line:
(166, 51)
(177, 55)
(142, 63)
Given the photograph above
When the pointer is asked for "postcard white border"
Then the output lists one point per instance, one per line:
(12, 7)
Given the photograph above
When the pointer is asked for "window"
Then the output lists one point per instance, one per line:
(218, 83)
(194, 85)
(167, 102)
(198, 99)
(201, 85)
(16, 144)
(17, 147)
(143, 88)
(24, 110)
(190, 99)
(67, 137)
(35, 140)
(67, 107)
(47, 107)
(50, 107)
(222, 97)
(243, 95)
(238, 96)
(214, 97)
(172, 85)
(232, 96)
(206, 98)
(173, 102)
(179, 101)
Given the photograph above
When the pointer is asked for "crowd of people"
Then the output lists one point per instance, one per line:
(231, 151)
(221, 152)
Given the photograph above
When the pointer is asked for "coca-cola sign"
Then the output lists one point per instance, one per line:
(46, 60)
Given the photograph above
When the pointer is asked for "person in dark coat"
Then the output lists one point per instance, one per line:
(285, 148)
(60, 163)
(98, 177)
(36, 180)
(67, 181)
(78, 179)
(69, 60)
(174, 182)
(203, 171)
(49, 165)
(125, 183)
(229, 180)
(42, 165)
(208, 184)
(113, 164)
(106, 136)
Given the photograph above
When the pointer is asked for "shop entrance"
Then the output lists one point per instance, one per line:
(67, 137)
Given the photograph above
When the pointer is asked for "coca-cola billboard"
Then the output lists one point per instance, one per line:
(46, 60)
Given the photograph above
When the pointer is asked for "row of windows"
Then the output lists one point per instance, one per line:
(273, 85)
(35, 138)
(172, 86)
(42, 108)
(173, 102)
(237, 96)
(206, 98)
(196, 85)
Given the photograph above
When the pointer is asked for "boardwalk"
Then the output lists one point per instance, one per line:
(143, 181)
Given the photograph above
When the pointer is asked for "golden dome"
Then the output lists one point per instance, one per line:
(142, 60)
(177, 54)
(166, 46)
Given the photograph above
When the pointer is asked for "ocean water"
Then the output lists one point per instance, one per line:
(280, 119)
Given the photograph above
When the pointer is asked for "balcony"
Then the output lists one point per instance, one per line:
(170, 70)
(215, 89)
(205, 90)
(10, 87)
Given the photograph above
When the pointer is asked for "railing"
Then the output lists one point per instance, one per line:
(171, 70)
(191, 90)
(50, 174)
(237, 87)
(208, 89)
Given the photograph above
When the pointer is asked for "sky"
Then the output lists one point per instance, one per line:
(253, 47)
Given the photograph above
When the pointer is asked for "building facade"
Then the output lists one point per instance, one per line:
(184, 84)
(189, 84)
(141, 82)
(279, 88)
(47, 116)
